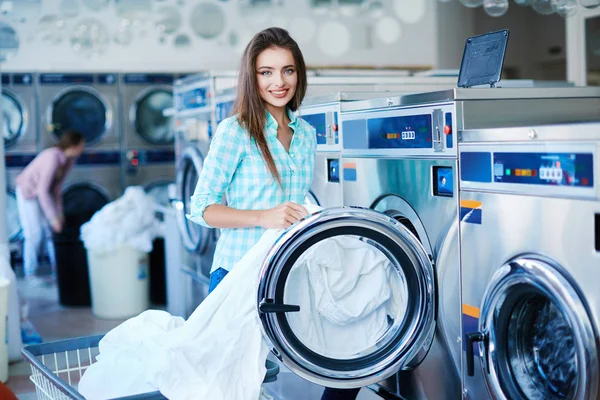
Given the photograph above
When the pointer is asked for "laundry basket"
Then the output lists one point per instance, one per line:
(57, 367)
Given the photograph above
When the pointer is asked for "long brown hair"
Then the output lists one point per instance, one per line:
(70, 139)
(249, 106)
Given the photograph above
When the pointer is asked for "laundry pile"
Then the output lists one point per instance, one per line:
(127, 220)
(344, 287)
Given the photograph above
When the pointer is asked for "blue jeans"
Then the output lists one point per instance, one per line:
(216, 278)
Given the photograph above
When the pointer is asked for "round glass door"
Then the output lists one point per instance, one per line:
(149, 121)
(536, 335)
(13, 223)
(81, 110)
(13, 119)
(194, 236)
(346, 297)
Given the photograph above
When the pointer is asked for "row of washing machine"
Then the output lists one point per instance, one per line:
(129, 140)
(487, 204)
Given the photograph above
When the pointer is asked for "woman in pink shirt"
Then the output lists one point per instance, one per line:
(39, 197)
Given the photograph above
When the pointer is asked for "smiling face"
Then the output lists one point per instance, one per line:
(277, 77)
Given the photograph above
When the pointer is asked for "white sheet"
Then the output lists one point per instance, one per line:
(219, 352)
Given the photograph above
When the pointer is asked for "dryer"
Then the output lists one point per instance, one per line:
(19, 111)
(145, 98)
(396, 161)
(88, 103)
(530, 233)
(93, 182)
(154, 170)
(192, 130)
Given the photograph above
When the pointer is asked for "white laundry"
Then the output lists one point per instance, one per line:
(219, 352)
(127, 220)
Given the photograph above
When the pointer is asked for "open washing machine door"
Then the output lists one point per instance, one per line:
(536, 338)
(82, 109)
(14, 118)
(303, 340)
(195, 237)
(147, 117)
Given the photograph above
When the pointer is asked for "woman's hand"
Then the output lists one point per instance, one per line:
(282, 216)
(56, 225)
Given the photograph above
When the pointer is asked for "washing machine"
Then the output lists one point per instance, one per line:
(530, 234)
(192, 127)
(153, 169)
(396, 161)
(145, 98)
(19, 122)
(94, 181)
(88, 103)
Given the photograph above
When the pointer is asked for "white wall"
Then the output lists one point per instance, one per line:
(412, 22)
(531, 37)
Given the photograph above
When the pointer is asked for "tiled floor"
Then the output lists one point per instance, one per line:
(53, 322)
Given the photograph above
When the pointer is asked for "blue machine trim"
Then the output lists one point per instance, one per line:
(18, 160)
(5, 79)
(100, 158)
(148, 78)
(399, 132)
(57, 79)
(470, 324)
(448, 118)
(350, 174)
(224, 110)
(319, 122)
(549, 169)
(107, 79)
(355, 134)
(336, 132)
(443, 181)
(470, 215)
(333, 170)
(23, 79)
(476, 166)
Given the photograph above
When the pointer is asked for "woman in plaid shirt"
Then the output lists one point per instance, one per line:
(262, 158)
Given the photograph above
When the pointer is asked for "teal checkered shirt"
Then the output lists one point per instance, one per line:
(234, 167)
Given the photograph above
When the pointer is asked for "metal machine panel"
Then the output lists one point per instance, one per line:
(154, 170)
(409, 190)
(145, 98)
(19, 108)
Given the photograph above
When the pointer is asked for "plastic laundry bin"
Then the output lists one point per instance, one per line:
(4, 293)
(119, 283)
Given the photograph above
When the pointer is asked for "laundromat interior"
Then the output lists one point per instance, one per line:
(432, 231)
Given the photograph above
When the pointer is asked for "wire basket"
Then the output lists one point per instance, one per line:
(57, 367)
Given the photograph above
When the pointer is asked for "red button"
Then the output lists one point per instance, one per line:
(334, 127)
(447, 129)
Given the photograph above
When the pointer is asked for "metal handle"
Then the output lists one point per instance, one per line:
(470, 338)
(269, 306)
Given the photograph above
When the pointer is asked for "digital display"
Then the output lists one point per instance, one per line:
(551, 169)
(407, 132)
(66, 78)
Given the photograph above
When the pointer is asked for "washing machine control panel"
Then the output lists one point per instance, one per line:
(421, 129)
(529, 168)
(137, 158)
